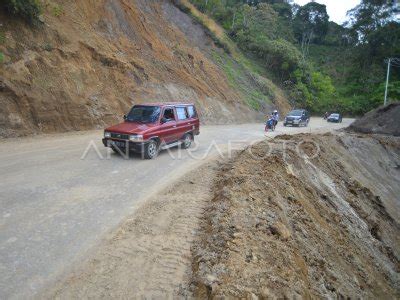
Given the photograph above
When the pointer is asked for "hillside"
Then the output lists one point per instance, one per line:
(88, 61)
(323, 66)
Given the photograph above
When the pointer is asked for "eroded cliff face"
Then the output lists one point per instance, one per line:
(85, 68)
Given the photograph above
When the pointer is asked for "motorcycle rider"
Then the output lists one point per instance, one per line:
(269, 125)
(275, 116)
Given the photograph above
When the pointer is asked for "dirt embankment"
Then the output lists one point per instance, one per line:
(324, 225)
(86, 65)
(383, 120)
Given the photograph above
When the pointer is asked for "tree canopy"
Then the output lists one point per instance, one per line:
(322, 65)
(27, 9)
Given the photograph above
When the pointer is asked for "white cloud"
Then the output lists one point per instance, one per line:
(337, 9)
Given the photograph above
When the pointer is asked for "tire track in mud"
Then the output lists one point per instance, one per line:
(149, 256)
(172, 256)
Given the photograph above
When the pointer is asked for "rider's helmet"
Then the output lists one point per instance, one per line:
(275, 111)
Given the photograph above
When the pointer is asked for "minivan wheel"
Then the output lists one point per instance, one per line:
(151, 150)
(187, 141)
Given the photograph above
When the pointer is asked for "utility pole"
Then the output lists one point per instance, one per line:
(387, 81)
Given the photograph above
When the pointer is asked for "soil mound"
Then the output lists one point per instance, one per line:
(304, 218)
(383, 120)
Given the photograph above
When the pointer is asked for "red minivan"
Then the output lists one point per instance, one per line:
(149, 128)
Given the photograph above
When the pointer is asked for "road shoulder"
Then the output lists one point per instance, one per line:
(150, 253)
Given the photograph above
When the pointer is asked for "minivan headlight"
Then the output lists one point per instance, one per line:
(136, 138)
(107, 134)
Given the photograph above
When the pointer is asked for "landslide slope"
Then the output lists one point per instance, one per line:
(89, 61)
(305, 216)
(383, 120)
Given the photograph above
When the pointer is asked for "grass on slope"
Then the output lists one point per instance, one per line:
(242, 73)
(257, 91)
(216, 33)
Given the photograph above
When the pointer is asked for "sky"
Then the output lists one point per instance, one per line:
(337, 9)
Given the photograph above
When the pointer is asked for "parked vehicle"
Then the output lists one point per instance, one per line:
(297, 117)
(149, 128)
(335, 117)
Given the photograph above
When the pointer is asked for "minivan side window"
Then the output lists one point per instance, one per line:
(181, 112)
(191, 111)
(169, 114)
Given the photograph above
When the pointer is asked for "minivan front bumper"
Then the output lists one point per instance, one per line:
(123, 144)
(292, 121)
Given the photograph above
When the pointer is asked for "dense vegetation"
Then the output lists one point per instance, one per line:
(26, 9)
(322, 65)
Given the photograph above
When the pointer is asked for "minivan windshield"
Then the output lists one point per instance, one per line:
(144, 114)
(295, 113)
(335, 115)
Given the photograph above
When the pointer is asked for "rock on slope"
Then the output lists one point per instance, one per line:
(312, 216)
(85, 68)
(384, 120)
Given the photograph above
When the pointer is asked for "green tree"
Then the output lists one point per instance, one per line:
(28, 9)
(322, 65)
(370, 15)
(311, 20)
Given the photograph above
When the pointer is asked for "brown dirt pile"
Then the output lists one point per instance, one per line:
(282, 225)
(384, 120)
(86, 67)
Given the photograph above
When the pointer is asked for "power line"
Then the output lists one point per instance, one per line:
(395, 62)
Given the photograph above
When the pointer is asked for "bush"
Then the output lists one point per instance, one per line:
(181, 6)
(29, 10)
(1, 57)
(57, 10)
(279, 55)
(2, 38)
(47, 47)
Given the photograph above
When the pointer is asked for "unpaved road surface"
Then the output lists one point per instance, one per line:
(149, 256)
(57, 203)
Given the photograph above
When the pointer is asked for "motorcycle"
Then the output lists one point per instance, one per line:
(269, 125)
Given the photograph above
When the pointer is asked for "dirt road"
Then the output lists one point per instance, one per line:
(58, 200)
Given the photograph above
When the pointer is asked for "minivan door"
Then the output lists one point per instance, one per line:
(194, 120)
(184, 122)
(168, 126)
